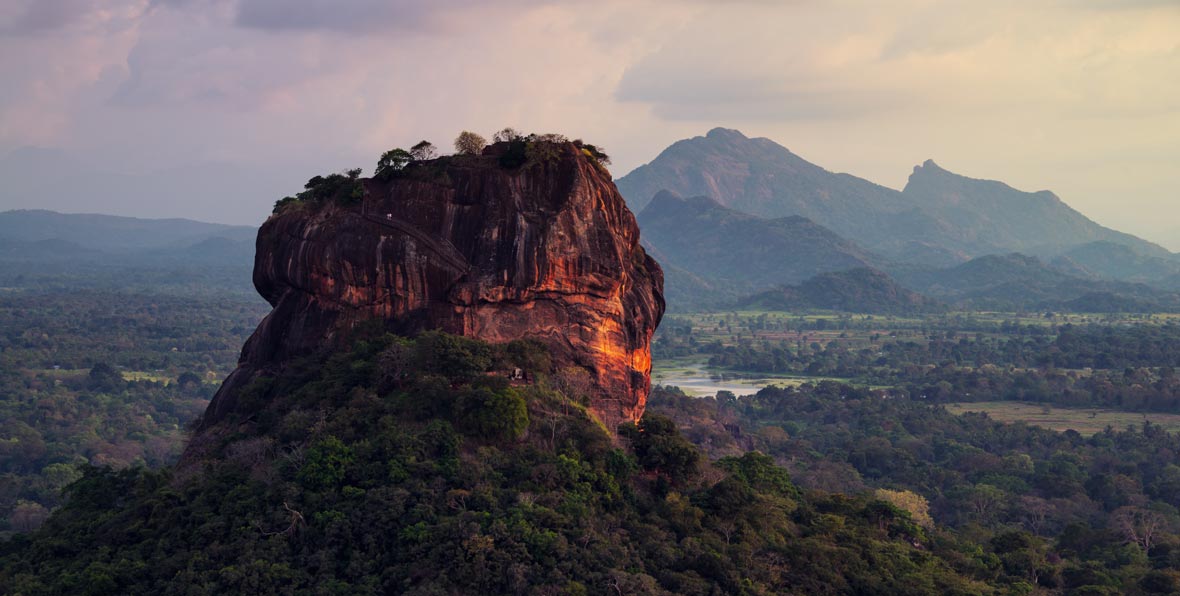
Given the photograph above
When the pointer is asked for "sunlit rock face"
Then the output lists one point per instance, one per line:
(547, 250)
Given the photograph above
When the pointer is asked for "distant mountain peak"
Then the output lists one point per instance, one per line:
(930, 166)
(666, 196)
(666, 199)
(931, 173)
(729, 134)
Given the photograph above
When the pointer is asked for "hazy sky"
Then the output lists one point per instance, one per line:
(1078, 96)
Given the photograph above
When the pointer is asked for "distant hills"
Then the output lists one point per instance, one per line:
(41, 248)
(114, 233)
(1019, 282)
(1110, 260)
(716, 253)
(856, 290)
(1012, 282)
(761, 218)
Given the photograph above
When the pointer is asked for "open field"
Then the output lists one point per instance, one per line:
(140, 375)
(1085, 421)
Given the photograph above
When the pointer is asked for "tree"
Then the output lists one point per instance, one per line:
(493, 413)
(984, 500)
(507, 135)
(469, 143)
(423, 151)
(188, 380)
(659, 447)
(103, 377)
(595, 153)
(915, 504)
(28, 516)
(392, 161)
(327, 461)
(1139, 526)
(395, 363)
(453, 356)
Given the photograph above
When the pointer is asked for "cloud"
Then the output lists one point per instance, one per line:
(359, 16)
(34, 17)
(704, 94)
(1065, 94)
(735, 62)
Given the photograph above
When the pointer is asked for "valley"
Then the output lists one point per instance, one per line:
(541, 298)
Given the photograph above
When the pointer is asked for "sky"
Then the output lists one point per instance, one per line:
(213, 109)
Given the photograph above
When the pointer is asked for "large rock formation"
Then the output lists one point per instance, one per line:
(546, 250)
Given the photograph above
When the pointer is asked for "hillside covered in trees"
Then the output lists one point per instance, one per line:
(445, 477)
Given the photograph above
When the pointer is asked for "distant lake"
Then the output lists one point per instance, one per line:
(694, 378)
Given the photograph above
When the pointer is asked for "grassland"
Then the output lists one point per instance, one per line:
(140, 375)
(1085, 421)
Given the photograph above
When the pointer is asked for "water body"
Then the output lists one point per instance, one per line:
(695, 379)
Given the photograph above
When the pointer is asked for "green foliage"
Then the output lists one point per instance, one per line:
(391, 162)
(659, 448)
(103, 377)
(63, 356)
(1124, 363)
(593, 152)
(542, 149)
(327, 461)
(368, 497)
(452, 356)
(1046, 509)
(344, 188)
(759, 471)
(492, 413)
(529, 355)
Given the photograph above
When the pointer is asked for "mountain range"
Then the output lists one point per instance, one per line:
(111, 233)
(736, 220)
(1019, 282)
(40, 249)
(939, 214)
(761, 217)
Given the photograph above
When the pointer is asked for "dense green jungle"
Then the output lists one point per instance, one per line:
(851, 476)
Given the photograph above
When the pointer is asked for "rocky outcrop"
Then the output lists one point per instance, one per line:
(546, 250)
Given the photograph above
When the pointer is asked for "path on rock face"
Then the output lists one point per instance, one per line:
(444, 249)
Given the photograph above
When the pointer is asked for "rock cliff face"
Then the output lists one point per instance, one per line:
(547, 251)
